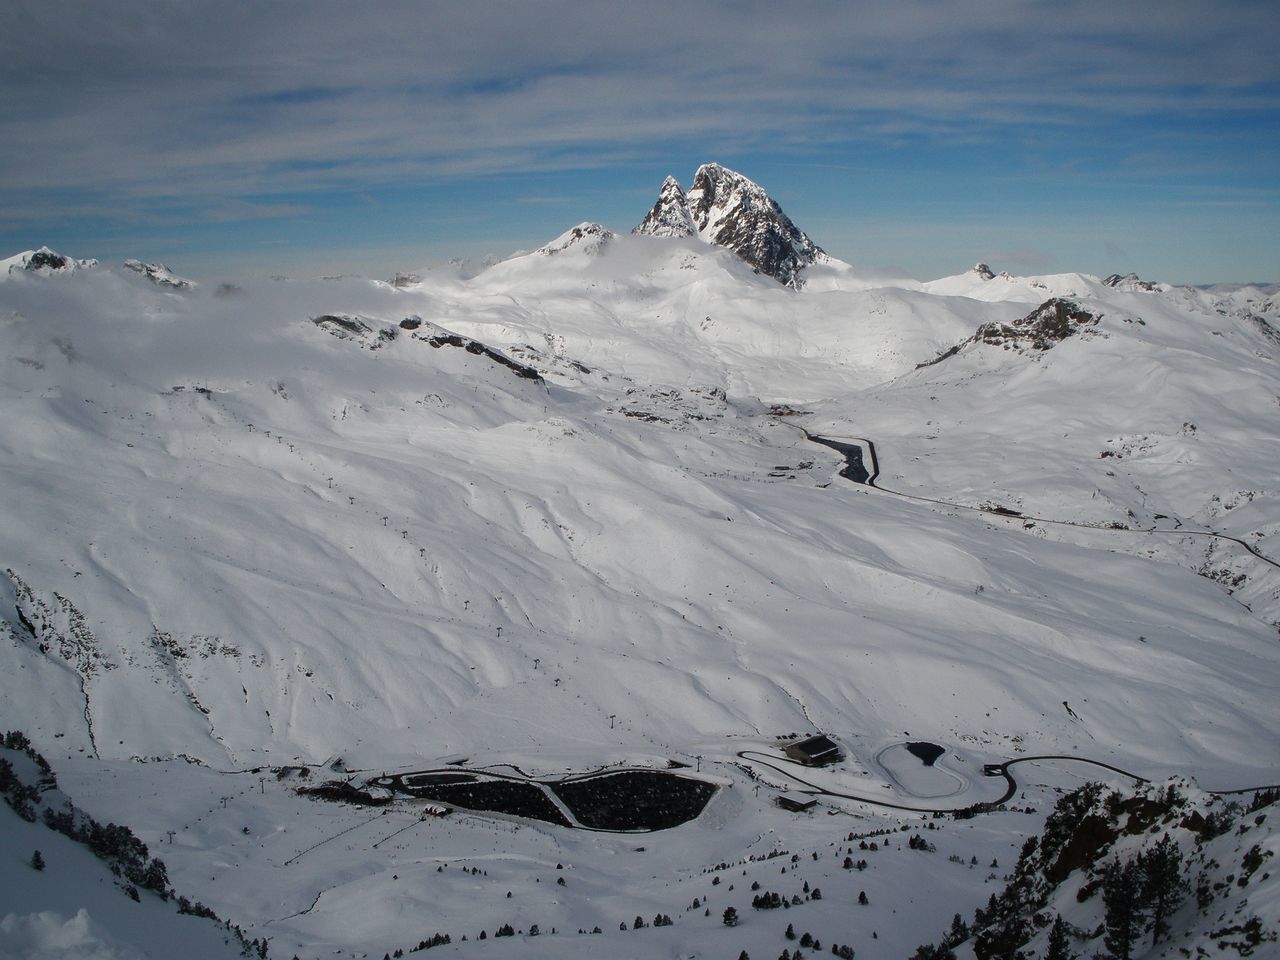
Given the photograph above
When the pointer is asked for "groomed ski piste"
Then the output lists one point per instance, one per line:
(241, 540)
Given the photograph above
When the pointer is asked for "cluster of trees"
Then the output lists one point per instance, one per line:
(436, 940)
(957, 935)
(769, 900)
(1140, 895)
(114, 844)
(23, 797)
(659, 920)
(124, 853)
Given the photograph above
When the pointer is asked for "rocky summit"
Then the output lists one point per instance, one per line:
(727, 209)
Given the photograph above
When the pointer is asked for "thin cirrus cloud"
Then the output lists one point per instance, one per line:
(188, 109)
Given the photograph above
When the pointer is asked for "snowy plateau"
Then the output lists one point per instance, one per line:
(484, 535)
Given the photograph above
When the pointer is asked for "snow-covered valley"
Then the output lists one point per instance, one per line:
(565, 514)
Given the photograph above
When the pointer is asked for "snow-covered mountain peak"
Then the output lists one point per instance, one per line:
(730, 210)
(159, 274)
(670, 216)
(43, 260)
(984, 271)
(587, 236)
(727, 209)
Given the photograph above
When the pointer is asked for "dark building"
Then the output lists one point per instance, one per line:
(815, 751)
(796, 802)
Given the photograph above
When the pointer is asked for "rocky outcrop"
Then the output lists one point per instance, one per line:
(373, 335)
(1041, 329)
(982, 270)
(1130, 281)
(1045, 326)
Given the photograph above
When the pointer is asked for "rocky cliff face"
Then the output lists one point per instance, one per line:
(725, 208)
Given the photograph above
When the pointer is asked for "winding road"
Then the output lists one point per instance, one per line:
(857, 472)
(987, 806)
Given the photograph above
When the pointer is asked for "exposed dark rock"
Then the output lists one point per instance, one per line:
(1048, 324)
(734, 212)
(1044, 327)
(982, 270)
(670, 216)
(44, 258)
(1129, 281)
(342, 325)
(945, 354)
(482, 350)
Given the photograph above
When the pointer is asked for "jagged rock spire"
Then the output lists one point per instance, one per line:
(670, 216)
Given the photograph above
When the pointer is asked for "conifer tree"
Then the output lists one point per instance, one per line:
(1059, 946)
(1125, 919)
(1163, 885)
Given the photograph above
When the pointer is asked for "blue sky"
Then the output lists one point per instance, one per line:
(237, 139)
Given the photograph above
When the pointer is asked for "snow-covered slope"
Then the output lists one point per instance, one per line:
(564, 514)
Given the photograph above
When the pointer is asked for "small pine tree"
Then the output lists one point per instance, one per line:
(862, 898)
(37, 861)
(730, 917)
(1059, 946)
(791, 932)
(958, 933)
(743, 956)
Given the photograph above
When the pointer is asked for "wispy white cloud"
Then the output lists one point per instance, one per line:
(193, 100)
